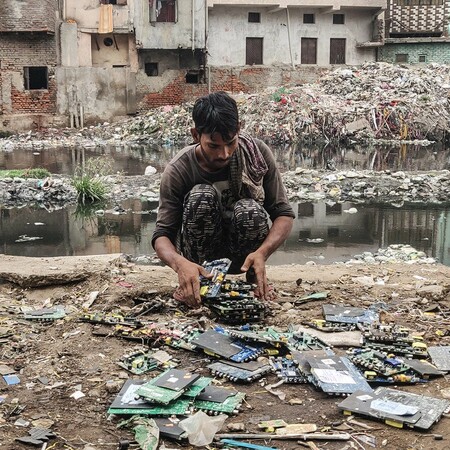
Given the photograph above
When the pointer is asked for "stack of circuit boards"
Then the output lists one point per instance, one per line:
(232, 301)
(175, 393)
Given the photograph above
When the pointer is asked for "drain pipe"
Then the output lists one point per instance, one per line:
(207, 67)
(288, 19)
(193, 25)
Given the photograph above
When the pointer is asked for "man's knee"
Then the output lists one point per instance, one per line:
(248, 209)
(202, 197)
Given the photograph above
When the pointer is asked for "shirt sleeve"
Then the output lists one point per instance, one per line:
(170, 210)
(276, 202)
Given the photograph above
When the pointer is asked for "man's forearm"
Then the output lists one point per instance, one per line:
(167, 252)
(278, 233)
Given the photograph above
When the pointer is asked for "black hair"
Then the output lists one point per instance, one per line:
(216, 113)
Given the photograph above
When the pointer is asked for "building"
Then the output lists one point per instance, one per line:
(28, 60)
(96, 60)
(97, 74)
(416, 32)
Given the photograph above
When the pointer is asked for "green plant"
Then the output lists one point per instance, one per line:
(278, 94)
(89, 181)
(25, 173)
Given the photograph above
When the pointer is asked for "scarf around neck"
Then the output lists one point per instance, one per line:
(247, 170)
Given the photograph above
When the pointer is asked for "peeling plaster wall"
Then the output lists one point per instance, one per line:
(229, 28)
(104, 93)
(86, 14)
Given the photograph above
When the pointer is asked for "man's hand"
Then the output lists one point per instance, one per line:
(258, 262)
(189, 280)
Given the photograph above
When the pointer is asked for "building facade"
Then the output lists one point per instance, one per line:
(28, 61)
(110, 58)
(416, 32)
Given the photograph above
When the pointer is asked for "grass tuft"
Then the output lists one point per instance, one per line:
(25, 173)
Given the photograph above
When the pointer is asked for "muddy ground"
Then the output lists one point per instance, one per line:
(55, 360)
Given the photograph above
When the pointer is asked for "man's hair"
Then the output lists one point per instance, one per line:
(216, 113)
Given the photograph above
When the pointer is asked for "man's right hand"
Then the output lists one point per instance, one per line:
(189, 280)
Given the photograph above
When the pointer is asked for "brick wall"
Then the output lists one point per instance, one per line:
(234, 80)
(16, 52)
(28, 15)
(436, 52)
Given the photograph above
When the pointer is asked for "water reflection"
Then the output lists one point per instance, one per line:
(321, 232)
(132, 160)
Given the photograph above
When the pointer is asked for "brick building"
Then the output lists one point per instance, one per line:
(28, 58)
(416, 32)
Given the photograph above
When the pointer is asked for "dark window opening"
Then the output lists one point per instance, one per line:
(305, 210)
(309, 18)
(334, 210)
(165, 11)
(304, 234)
(422, 58)
(401, 58)
(254, 51)
(254, 17)
(338, 19)
(108, 2)
(333, 232)
(151, 69)
(192, 78)
(35, 78)
(108, 42)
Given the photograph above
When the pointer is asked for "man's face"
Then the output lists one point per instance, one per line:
(215, 152)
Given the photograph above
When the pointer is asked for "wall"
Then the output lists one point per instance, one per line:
(418, 18)
(16, 52)
(28, 15)
(157, 35)
(86, 14)
(435, 52)
(104, 93)
(229, 27)
(172, 88)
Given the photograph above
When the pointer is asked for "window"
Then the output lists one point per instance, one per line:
(333, 210)
(422, 58)
(309, 18)
(151, 69)
(165, 10)
(254, 51)
(108, 2)
(305, 210)
(35, 78)
(192, 77)
(401, 57)
(338, 19)
(254, 17)
(107, 42)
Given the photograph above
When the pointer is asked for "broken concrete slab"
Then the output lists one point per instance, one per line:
(37, 272)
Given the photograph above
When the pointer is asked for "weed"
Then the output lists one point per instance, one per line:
(25, 173)
(89, 181)
(279, 94)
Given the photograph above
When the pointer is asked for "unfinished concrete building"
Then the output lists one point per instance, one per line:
(28, 60)
(417, 32)
(97, 74)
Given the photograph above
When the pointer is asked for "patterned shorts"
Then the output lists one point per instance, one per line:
(205, 235)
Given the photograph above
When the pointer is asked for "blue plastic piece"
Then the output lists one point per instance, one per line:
(245, 445)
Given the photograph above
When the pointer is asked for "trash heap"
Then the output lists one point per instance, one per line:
(375, 101)
(371, 102)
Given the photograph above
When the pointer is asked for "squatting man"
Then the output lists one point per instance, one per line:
(216, 198)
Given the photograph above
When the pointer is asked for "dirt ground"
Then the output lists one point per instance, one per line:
(55, 360)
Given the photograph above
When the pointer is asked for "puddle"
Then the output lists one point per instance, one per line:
(321, 233)
(133, 160)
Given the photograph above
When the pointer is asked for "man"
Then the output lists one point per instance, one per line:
(215, 196)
